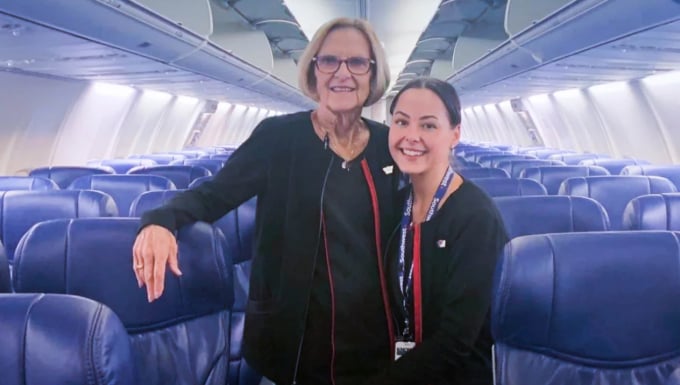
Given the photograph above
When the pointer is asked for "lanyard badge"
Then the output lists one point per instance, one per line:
(406, 280)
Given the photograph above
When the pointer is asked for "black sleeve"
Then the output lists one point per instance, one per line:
(243, 176)
(467, 297)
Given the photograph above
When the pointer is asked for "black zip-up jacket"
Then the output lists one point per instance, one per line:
(459, 248)
(276, 164)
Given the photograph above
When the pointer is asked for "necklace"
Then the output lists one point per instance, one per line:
(333, 140)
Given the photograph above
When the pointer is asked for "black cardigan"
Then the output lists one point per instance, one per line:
(280, 165)
(456, 293)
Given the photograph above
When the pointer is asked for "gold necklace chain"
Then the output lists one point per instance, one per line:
(336, 143)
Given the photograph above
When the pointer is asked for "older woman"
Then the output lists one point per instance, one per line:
(318, 309)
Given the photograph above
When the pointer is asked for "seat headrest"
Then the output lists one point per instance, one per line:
(526, 215)
(496, 187)
(553, 176)
(597, 299)
(123, 188)
(615, 191)
(93, 258)
(614, 166)
(515, 167)
(483, 172)
(8, 183)
(151, 200)
(199, 181)
(671, 172)
(180, 175)
(575, 159)
(19, 210)
(121, 166)
(653, 212)
(64, 175)
(214, 165)
(61, 339)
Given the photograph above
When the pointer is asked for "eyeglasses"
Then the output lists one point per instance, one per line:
(329, 64)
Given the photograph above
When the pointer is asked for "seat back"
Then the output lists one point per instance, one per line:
(526, 215)
(552, 176)
(545, 153)
(64, 175)
(213, 165)
(614, 166)
(62, 339)
(238, 227)
(199, 181)
(161, 159)
(180, 175)
(182, 337)
(615, 191)
(20, 210)
(653, 212)
(587, 308)
(123, 188)
(575, 159)
(9, 183)
(483, 172)
(121, 166)
(515, 167)
(498, 187)
(5, 279)
(672, 173)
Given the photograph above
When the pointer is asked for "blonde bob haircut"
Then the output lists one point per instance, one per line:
(380, 73)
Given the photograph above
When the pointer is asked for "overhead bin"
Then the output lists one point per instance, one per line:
(571, 29)
(136, 27)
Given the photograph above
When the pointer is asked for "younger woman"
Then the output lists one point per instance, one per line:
(444, 254)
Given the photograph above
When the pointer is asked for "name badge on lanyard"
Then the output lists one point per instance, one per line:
(409, 338)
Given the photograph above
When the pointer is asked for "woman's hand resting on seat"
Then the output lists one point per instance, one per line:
(154, 247)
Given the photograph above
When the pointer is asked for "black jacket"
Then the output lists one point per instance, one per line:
(281, 165)
(459, 248)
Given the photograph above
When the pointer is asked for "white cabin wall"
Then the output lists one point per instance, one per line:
(624, 119)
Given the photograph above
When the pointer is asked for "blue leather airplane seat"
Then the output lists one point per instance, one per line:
(594, 308)
(614, 166)
(526, 215)
(5, 278)
(180, 175)
(61, 339)
(160, 159)
(121, 166)
(181, 338)
(64, 175)
(213, 165)
(552, 176)
(20, 210)
(483, 172)
(615, 191)
(497, 187)
(515, 167)
(653, 212)
(572, 159)
(672, 173)
(9, 183)
(123, 188)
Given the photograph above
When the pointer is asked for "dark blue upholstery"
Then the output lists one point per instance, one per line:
(161, 159)
(237, 226)
(491, 160)
(671, 173)
(575, 159)
(181, 338)
(498, 187)
(123, 188)
(180, 175)
(552, 176)
(223, 156)
(19, 210)
(199, 181)
(483, 172)
(674, 379)
(5, 280)
(64, 175)
(50, 339)
(614, 166)
(587, 308)
(9, 183)
(515, 167)
(545, 153)
(653, 212)
(121, 166)
(615, 191)
(526, 215)
(213, 165)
